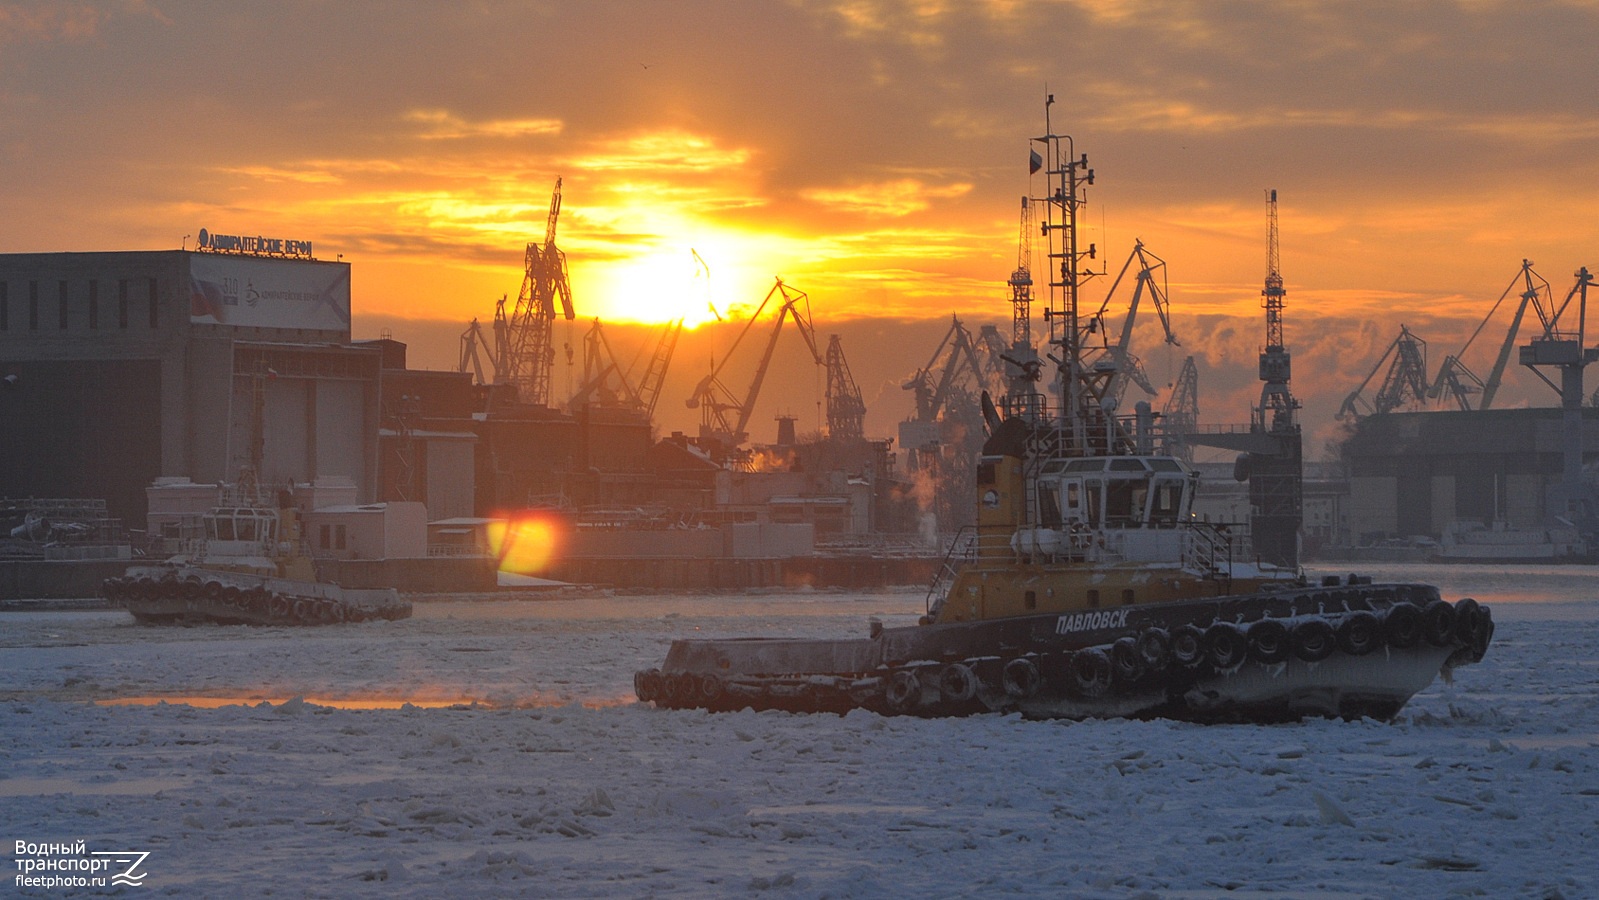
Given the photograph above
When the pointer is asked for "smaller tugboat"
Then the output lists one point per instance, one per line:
(249, 568)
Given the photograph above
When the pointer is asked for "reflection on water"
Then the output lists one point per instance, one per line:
(215, 702)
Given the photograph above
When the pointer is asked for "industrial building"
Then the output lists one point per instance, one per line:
(121, 368)
(1416, 473)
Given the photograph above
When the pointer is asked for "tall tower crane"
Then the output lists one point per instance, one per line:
(1022, 367)
(846, 411)
(527, 333)
(1275, 364)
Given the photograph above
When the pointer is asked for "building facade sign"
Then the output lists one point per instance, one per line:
(269, 293)
(252, 245)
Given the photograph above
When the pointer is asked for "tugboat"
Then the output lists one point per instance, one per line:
(1090, 588)
(248, 569)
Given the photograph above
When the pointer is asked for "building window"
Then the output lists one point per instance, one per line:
(155, 305)
(5, 306)
(33, 306)
(61, 306)
(122, 303)
(327, 533)
(338, 537)
(94, 304)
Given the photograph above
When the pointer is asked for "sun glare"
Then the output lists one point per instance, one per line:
(705, 281)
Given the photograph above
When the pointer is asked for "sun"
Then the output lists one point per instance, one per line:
(700, 280)
(652, 288)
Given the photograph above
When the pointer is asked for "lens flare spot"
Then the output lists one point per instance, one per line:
(526, 544)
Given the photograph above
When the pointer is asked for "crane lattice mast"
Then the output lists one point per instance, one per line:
(1277, 403)
(846, 411)
(530, 350)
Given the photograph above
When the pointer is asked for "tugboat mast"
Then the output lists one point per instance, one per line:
(1081, 392)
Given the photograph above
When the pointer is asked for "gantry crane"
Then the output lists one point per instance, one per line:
(846, 411)
(1562, 345)
(1457, 382)
(724, 418)
(1405, 380)
(526, 334)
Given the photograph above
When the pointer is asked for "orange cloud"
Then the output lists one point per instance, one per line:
(900, 197)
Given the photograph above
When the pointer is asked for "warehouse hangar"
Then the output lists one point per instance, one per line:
(119, 368)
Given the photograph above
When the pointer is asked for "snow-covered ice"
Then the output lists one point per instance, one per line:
(524, 767)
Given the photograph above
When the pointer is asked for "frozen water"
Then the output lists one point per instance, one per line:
(493, 748)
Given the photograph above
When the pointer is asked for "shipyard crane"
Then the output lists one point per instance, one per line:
(1180, 416)
(1276, 400)
(1021, 282)
(649, 387)
(846, 411)
(1117, 358)
(529, 352)
(471, 358)
(1405, 364)
(1562, 345)
(604, 383)
(724, 418)
(962, 359)
(1457, 382)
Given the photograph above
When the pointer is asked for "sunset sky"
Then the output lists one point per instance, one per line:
(870, 153)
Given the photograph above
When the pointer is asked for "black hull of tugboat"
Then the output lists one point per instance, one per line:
(193, 595)
(1351, 651)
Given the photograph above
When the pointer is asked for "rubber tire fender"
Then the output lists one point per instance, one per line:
(1438, 623)
(1401, 626)
(1359, 633)
(647, 684)
(1020, 678)
(710, 687)
(1225, 646)
(211, 590)
(1125, 663)
(957, 683)
(903, 691)
(1268, 641)
(1467, 612)
(672, 688)
(1483, 635)
(1154, 648)
(1187, 647)
(1091, 673)
(1313, 640)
